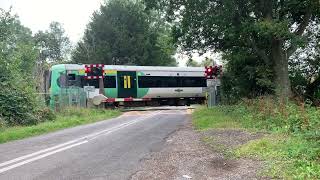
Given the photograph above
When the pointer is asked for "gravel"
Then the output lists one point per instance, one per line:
(186, 156)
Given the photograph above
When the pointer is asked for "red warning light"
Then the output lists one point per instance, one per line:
(211, 72)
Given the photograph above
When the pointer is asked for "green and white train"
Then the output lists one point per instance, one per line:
(149, 84)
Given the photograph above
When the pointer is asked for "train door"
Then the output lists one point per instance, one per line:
(127, 84)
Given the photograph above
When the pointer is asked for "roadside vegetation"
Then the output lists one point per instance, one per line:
(68, 118)
(290, 145)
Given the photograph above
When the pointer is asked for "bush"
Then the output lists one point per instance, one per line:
(269, 114)
(16, 106)
(45, 114)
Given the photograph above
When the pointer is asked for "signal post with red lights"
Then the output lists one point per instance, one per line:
(213, 75)
(95, 71)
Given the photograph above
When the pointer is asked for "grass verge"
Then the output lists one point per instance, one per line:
(65, 119)
(291, 149)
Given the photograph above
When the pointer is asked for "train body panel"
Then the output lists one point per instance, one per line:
(175, 92)
(150, 82)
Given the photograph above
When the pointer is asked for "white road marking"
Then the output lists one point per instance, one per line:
(40, 157)
(36, 153)
(65, 146)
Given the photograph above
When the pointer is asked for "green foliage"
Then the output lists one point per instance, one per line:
(65, 119)
(19, 63)
(287, 157)
(192, 63)
(272, 115)
(208, 62)
(45, 114)
(202, 119)
(54, 45)
(245, 76)
(16, 106)
(268, 31)
(122, 32)
(305, 67)
(17, 60)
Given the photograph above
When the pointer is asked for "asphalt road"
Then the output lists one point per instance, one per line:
(111, 149)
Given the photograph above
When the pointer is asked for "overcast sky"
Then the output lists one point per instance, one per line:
(37, 14)
(73, 14)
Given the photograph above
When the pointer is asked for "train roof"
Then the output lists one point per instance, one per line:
(132, 68)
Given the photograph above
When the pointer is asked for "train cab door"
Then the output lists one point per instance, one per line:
(127, 84)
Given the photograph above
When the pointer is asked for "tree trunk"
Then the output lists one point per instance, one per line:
(280, 60)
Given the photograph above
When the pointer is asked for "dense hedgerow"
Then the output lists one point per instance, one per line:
(18, 104)
(272, 115)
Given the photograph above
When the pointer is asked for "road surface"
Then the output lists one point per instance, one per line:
(111, 149)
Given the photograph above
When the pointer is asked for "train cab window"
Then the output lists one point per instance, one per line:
(61, 81)
(71, 77)
(68, 80)
(108, 81)
(90, 82)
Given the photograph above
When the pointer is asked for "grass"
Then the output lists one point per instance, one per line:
(291, 148)
(66, 119)
(204, 118)
(287, 157)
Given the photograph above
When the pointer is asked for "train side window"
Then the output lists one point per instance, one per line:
(109, 82)
(146, 82)
(157, 81)
(193, 82)
(172, 82)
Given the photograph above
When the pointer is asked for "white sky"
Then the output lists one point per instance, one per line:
(37, 14)
(73, 14)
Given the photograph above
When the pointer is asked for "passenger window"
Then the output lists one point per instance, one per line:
(109, 82)
(170, 81)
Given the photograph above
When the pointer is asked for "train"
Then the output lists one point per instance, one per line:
(122, 84)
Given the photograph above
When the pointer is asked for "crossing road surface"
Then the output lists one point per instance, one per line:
(111, 149)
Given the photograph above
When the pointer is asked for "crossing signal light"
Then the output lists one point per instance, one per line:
(211, 72)
(94, 71)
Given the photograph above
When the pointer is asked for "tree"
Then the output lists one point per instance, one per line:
(245, 76)
(305, 67)
(122, 32)
(54, 47)
(270, 30)
(208, 62)
(53, 44)
(192, 63)
(17, 61)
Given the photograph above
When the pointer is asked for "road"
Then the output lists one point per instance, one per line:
(111, 149)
